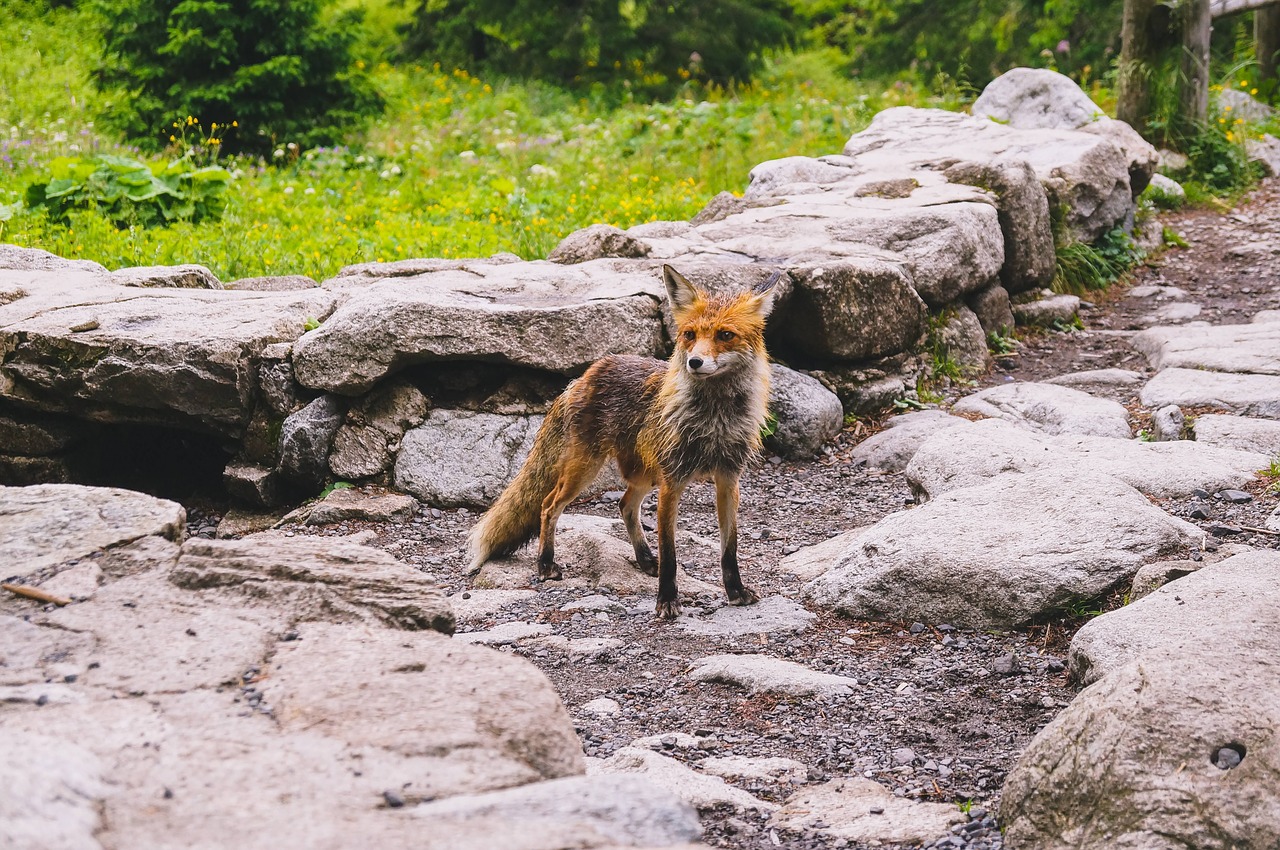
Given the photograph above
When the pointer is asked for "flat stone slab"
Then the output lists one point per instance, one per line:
(506, 633)
(477, 604)
(579, 811)
(1252, 348)
(527, 314)
(1232, 602)
(1001, 553)
(865, 812)
(771, 615)
(1242, 433)
(1110, 378)
(764, 673)
(1049, 409)
(770, 769)
(1245, 394)
(967, 456)
(47, 525)
(892, 449)
(696, 789)
(84, 344)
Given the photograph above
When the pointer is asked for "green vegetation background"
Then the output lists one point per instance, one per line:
(461, 164)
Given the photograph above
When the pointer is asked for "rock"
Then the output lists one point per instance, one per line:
(696, 789)
(345, 504)
(1224, 607)
(1087, 175)
(1023, 214)
(586, 812)
(772, 615)
(1154, 576)
(505, 634)
(993, 309)
(1233, 104)
(966, 556)
(167, 277)
(862, 811)
(1136, 760)
(1178, 311)
(526, 314)
(368, 439)
(774, 769)
(48, 525)
(1245, 394)
(53, 788)
(892, 449)
(1098, 378)
(961, 340)
(459, 458)
(1265, 152)
(1273, 521)
(305, 440)
(765, 674)
(595, 554)
(870, 392)
(596, 242)
(1253, 348)
(601, 707)
(721, 206)
(477, 604)
(810, 562)
(807, 414)
(1143, 159)
(1167, 424)
(1049, 409)
(471, 719)
(1047, 311)
(238, 523)
(16, 258)
(970, 455)
(75, 583)
(776, 176)
(1166, 190)
(1036, 98)
(852, 310)
(24, 433)
(257, 485)
(316, 578)
(1264, 316)
(273, 283)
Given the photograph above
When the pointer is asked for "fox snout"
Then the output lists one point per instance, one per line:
(701, 364)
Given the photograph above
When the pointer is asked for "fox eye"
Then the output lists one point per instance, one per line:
(725, 336)
(690, 336)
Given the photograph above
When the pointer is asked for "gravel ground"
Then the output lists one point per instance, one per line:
(938, 713)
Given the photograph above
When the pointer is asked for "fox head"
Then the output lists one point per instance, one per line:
(718, 334)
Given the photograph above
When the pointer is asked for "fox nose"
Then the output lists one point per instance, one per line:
(695, 363)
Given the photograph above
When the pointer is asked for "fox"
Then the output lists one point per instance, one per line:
(697, 416)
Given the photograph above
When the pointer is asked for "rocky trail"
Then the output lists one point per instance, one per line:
(926, 710)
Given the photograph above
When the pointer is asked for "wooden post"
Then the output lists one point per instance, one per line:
(1266, 36)
(1193, 89)
(1138, 60)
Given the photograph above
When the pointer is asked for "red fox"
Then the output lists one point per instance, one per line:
(696, 417)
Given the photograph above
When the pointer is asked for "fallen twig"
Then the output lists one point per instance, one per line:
(35, 593)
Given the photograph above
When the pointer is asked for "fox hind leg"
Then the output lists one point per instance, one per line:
(639, 484)
(727, 513)
(576, 471)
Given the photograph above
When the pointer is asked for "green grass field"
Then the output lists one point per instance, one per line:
(457, 166)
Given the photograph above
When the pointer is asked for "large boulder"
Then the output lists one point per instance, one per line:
(86, 345)
(1000, 554)
(807, 415)
(1175, 745)
(1242, 393)
(460, 458)
(539, 314)
(1036, 99)
(1049, 409)
(968, 455)
(1242, 433)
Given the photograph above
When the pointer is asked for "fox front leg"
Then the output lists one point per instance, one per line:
(668, 607)
(727, 513)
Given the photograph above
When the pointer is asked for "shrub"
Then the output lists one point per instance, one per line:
(1083, 266)
(653, 46)
(128, 192)
(273, 66)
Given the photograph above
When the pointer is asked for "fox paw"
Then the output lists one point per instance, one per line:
(550, 571)
(743, 596)
(648, 566)
(668, 609)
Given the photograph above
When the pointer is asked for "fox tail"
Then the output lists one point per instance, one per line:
(516, 516)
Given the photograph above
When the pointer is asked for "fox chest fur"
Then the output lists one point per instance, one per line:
(650, 415)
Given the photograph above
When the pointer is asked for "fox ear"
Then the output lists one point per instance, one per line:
(680, 291)
(766, 292)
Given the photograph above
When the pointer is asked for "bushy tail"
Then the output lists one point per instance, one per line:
(515, 517)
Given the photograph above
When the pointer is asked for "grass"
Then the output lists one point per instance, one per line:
(1271, 474)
